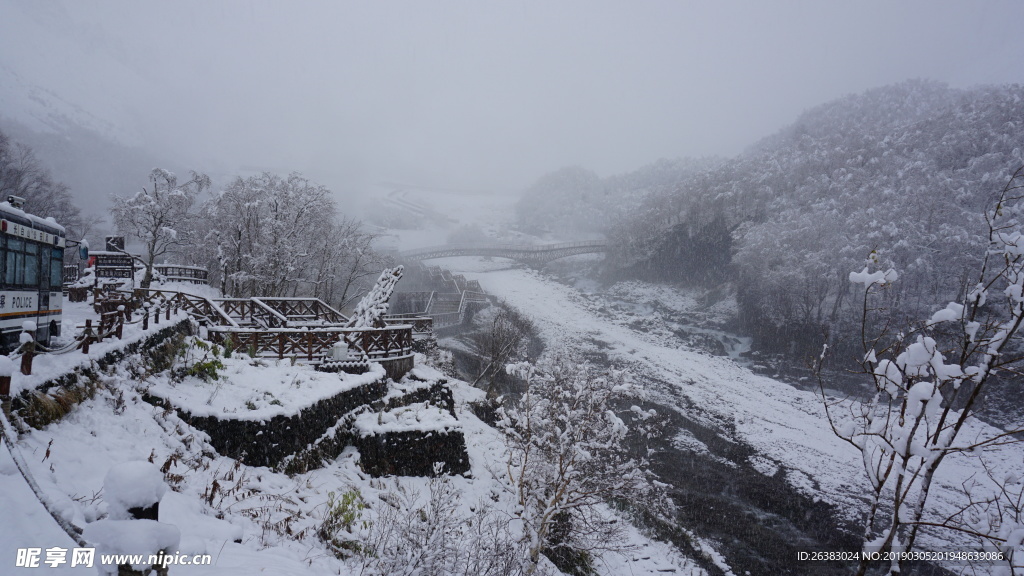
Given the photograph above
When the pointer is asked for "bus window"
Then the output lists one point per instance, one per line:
(56, 270)
(32, 264)
(11, 277)
(15, 262)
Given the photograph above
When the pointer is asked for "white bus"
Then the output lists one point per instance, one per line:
(31, 274)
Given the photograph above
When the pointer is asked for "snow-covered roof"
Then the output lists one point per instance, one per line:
(48, 224)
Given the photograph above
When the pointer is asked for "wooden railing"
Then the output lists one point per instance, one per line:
(304, 310)
(197, 306)
(281, 312)
(183, 273)
(311, 344)
(238, 308)
(267, 316)
(250, 311)
(420, 324)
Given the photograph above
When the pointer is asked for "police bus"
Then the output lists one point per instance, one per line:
(31, 274)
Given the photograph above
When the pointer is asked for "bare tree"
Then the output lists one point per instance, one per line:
(503, 342)
(343, 262)
(928, 382)
(22, 175)
(161, 216)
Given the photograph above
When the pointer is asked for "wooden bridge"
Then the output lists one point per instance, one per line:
(530, 254)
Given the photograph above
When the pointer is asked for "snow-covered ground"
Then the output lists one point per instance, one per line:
(248, 519)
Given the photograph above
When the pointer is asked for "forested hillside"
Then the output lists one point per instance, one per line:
(900, 175)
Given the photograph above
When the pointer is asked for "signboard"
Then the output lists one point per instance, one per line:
(22, 231)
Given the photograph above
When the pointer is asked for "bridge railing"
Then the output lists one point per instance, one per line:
(503, 248)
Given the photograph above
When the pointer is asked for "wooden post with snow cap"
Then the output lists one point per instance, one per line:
(6, 371)
(28, 346)
(120, 322)
(87, 336)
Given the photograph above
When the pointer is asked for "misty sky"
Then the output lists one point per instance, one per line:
(483, 95)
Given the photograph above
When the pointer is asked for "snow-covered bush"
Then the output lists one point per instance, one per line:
(428, 533)
(568, 456)
(929, 379)
(343, 522)
(133, 484)
(198, 358)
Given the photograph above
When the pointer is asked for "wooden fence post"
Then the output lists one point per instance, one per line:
(28, 353)
(87, 336)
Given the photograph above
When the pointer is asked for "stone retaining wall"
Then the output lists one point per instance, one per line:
(270, 442)
(413, 453)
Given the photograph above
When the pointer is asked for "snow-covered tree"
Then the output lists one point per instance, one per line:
(262, 228)
(568, 456)
(929, 381)
(370, 311)
(160, 216)
(273, 236)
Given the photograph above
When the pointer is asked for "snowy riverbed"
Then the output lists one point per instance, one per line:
(786, 426)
